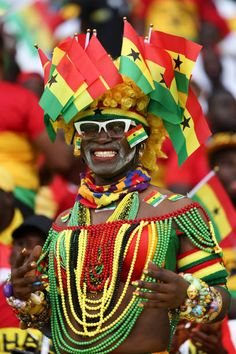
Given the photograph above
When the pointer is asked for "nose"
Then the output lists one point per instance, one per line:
(103, 137)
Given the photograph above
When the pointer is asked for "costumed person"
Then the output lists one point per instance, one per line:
(129, 259)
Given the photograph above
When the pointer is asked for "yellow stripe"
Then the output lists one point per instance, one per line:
(192, 142)
(208, 196)
(57, 56)
(186, 67)
(83, 100)
(60, 89)
(126, 50)
(104, 82)
(182, 98)
(82, 88)
(114, 112)
(208, 270)
(196, 256)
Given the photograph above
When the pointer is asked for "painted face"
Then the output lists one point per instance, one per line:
(108, 157)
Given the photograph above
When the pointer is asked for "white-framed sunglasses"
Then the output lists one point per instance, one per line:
(115, 128)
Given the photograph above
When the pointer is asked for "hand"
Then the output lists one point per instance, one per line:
(207, 337)
(23, 273)
(168, 291)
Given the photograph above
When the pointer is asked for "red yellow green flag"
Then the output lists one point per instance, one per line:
(164, 101)
(193, 130)
(214, 199)
(46, 64)
(132, 63)
(103, 63)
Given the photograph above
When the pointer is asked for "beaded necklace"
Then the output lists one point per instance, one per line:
(91, 258)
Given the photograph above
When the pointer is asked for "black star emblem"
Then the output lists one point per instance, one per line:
(52, 80)
(178, 62)
(216, 211)
(185, 123)
(98, 111)
(134, 54)
(162, 80)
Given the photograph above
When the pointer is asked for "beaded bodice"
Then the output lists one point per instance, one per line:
(94, 259)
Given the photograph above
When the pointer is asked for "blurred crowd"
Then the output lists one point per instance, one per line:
(39, 179)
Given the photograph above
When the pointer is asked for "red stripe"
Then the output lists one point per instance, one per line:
(201, 128)
(230, 240)
(176, 44)
(69, 73)
(161, 57)
(203, 265)
(96, 89)
(50, 18)
(226, 338)
(82, 62)
(141, 256)
(130, 33)
(103, 62)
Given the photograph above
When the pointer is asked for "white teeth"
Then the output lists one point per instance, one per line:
(105, 153)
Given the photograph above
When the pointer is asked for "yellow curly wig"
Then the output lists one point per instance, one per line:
(127, 98)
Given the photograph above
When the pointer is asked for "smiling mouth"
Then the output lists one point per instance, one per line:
(104, 154)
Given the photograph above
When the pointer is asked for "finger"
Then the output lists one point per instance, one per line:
(26, 268)
(153, 304)
(152, 296)
(20, 258)
(153, 286)
(161, 274)
(35, 254)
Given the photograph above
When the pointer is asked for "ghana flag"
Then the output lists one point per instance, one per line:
(103, 63)
(64, 82)
(214, 199)
(192, 131)
(184, 54)
(164, 101)
(132, 63)
(46, 64)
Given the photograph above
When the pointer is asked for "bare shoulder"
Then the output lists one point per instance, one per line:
(169, 204)
(63, 218)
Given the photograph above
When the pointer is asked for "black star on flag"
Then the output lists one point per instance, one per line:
(162, 80)
(134, 55)
(178, 62)
(216, 211)
(185, 123)
(52, 80)
(98, 111)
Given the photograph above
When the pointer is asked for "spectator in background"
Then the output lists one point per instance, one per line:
(106, 16)
(23, 137)
(33, 231)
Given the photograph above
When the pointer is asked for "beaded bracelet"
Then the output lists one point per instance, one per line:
(203, 303)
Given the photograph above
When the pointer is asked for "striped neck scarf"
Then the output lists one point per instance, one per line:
(96, 197)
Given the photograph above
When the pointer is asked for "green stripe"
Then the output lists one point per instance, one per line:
(178, 140)
(51, 132)
(137, 137)
(201, 202)
(195, 263)
(220, 276)
(182, 82)
(70, 112)
(130, 69)
(50, 104)
(163, 96)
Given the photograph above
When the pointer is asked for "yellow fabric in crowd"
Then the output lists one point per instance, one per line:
(18, 157)
(5, 236)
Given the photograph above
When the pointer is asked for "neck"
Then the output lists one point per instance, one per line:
(104, 181)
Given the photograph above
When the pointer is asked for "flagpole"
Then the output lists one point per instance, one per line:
(150, 33)
(202, 182)
(87, 38)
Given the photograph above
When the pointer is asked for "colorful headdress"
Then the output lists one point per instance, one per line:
(149, 83)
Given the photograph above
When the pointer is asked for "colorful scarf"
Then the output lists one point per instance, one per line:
(96, 197)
